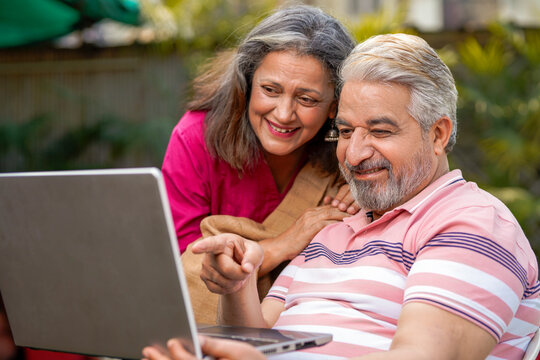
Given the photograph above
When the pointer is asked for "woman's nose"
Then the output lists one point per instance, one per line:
(285, 110)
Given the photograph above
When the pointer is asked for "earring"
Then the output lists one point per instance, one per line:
(332, 134)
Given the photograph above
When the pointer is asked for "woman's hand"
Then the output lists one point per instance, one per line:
(217, 348)
(293, 240)
(343, 200)
(228, 261)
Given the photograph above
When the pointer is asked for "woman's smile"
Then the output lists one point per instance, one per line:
(280, 130)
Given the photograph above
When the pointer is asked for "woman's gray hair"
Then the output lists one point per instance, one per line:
(408, 60)
(224, 88)
(304, 29)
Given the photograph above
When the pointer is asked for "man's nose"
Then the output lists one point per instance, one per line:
(359, 148)
(285, 110)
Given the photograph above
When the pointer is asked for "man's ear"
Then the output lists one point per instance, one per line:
(441, 131)
(332, 110)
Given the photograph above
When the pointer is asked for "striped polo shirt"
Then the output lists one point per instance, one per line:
(453, 246)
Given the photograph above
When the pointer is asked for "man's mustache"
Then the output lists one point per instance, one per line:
(369, 164)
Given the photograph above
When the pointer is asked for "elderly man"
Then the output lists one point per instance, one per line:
(434, 268)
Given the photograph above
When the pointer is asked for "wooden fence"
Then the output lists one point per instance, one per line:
(81, 87)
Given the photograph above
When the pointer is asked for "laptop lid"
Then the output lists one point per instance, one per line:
(84, 259)
(89, 263)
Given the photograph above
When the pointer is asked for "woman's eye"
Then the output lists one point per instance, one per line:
(307, 101)
(269, 90)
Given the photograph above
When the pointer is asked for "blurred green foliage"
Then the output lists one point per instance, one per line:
(499, 119)
(35, 145)
(384, 21)
(197, 29)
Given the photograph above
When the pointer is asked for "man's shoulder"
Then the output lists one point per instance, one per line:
(458, 195)
(464, 211)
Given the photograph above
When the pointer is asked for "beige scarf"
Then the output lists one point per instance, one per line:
(308, 191)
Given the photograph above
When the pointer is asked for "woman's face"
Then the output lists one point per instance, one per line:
(292, 96)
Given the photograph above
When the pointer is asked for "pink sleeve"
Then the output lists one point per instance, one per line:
(187, 179)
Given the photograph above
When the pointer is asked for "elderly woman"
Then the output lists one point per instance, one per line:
(257, 143)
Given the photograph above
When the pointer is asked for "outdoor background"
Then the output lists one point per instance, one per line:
(101, 83)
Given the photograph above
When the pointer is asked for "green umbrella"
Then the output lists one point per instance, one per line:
(28, 21)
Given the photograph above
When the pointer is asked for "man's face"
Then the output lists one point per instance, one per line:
(382, 151)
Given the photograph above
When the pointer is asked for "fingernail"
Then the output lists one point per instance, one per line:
(335, 203)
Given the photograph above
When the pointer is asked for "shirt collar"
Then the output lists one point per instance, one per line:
(430, 190)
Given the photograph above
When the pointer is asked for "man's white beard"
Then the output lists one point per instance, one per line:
(382, 196)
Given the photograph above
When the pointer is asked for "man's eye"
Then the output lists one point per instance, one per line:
(345, 133)
(381, 132)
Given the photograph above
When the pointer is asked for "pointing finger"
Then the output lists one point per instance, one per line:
(213, 244)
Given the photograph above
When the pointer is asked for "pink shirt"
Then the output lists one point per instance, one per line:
(199, 185)
(453, 246)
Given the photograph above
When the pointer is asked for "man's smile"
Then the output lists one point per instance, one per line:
(369, 171)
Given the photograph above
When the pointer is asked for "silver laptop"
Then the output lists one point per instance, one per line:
(89, 264)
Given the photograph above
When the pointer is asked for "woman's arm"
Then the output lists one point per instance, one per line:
(186, 173)
(292, 241)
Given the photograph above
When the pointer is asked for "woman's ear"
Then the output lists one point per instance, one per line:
(441, 131)
(332, 110)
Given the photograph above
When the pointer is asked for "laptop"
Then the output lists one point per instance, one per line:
(89, 264)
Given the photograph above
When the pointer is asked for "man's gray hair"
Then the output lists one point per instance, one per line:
(407, 60)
